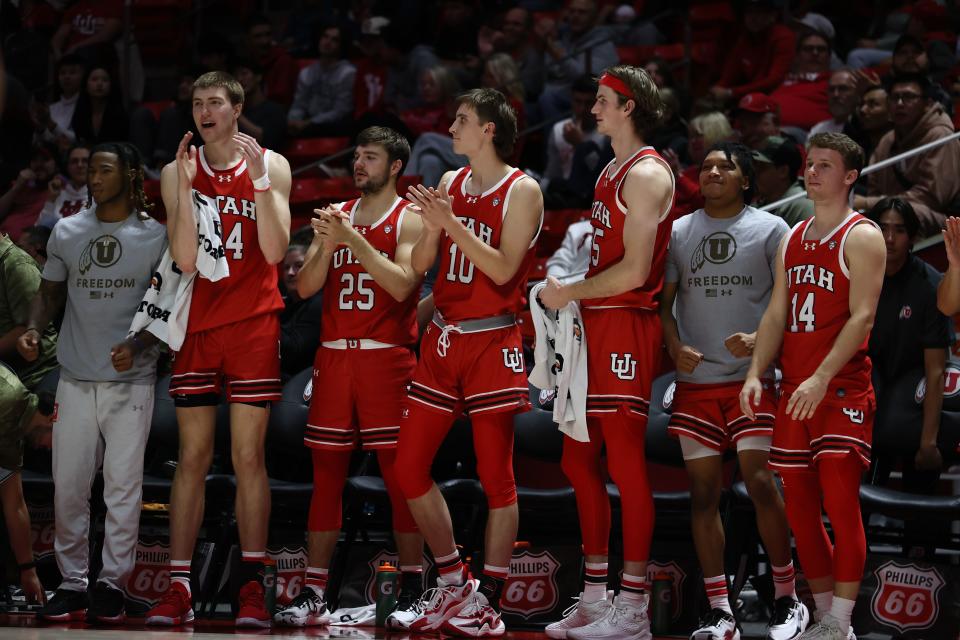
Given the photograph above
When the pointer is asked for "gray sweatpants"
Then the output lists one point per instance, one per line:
(99, 423)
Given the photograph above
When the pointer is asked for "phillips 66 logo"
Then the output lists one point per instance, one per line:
(906, 596)
(150, 577)
(532, 585)
(291, 567)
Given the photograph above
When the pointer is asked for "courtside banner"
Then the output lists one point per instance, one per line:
(291, 562)
(908, 599)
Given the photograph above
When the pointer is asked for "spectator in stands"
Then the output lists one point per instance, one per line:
(67, 193)
(929, 181)
(33, 241)
(841, 103)
(871, 51)
(22, 203)
(89, 28)
(408, 59)
(175, 121)
(24, 418)
(514, 39)
(910, 57)
(910, 337)
(100, 116)
(777, 165)
(575, 47)
(576, 152)
(455, 37)
(704, 131)
(760, 58)
(279, 68)
(873, 119)
(20, 281)
(261, 117)
(803, 94)
(500, 72)
(570, 261)
(323, 103)
(300, 319)
(631, 31)
(53, 121)
(371, 76)
(214, 53)
(438, 90)
(756, 118)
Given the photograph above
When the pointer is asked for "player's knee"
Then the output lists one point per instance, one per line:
(496, 478)
(195, 459)
(576, 466)
(761, 488)
(414, 482)
(704, 496)
(246, 456)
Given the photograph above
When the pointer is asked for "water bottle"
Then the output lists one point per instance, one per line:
(662, 601)
(388, 582)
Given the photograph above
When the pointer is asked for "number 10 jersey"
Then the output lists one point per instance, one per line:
(356, 307)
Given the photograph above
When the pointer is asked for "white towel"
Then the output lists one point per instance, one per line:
(560, 363)
(165, 308)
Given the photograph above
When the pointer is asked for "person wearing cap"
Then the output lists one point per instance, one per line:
(756, 117)
(22, 203)
(761, 58)
(803, 94)
(929, 181)
(842, 95)
(777, 164)
(24, 417)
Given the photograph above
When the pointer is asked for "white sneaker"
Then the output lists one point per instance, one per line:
(308, 609)
(624, 621)
(441, 603)
(829, 628)
(476, 620)
(717, 625)
(579, 614)
(790, 618)
(408, 609)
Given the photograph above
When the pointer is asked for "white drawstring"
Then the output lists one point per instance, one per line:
(443, 343)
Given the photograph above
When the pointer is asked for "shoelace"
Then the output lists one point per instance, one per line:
(443, 343)
(430, 598)
(569, 611)
(307, 597)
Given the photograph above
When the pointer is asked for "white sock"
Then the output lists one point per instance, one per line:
(823, 601)
(842, 610)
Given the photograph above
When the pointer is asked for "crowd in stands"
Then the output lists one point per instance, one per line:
(752, 73)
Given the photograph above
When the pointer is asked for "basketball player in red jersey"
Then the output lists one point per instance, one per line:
(827, 283)
(232, 336)
(482, 222)
(360, 257)
(618, 298)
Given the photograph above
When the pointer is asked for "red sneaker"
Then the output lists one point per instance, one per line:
(253, 612)
(174, 608)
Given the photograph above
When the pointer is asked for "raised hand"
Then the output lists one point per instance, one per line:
(253, 153)
(186, 160)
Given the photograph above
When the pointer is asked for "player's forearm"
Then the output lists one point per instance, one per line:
(273, 225)
(855, 330)
(17, 517)
(492, 262)
(424, 253)
(934, 365)
(399, 282)
(948, 292)
(767, 346)
(313, 274)
(620, 277)
(182, 232)
(47, 302)
(671, 333)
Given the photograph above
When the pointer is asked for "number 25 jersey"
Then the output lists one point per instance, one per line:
(818, 305)
(354, 305)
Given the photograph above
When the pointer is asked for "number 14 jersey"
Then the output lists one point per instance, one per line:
(354, 306)
(818, 306)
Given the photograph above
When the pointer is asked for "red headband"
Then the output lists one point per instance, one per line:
(617, 85)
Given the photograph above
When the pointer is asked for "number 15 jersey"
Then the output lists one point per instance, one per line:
(818, 306)
(354, 305)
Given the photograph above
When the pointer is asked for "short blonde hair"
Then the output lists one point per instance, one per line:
(220, 79)
(713, 126)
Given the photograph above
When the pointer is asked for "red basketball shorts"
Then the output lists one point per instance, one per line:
(711, 415)
(839, 426)
(358, 396)
(623, 356)
(482, 372)
(245, 355)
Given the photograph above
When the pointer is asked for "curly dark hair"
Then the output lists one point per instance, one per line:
(132, 167)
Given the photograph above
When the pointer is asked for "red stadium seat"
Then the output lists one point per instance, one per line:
(309, 193)
(303, 63)
(306, 150)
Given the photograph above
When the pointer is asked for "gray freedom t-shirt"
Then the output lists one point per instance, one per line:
(107, 268)
(723, 268)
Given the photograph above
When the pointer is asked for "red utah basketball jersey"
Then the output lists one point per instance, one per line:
(818, 305)
(354, 305)
(608, 216)
(463, 292)
(251, 289)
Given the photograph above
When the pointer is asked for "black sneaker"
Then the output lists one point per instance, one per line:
(106, 605)
(66, 605)
(717, 625)
(408, 609)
